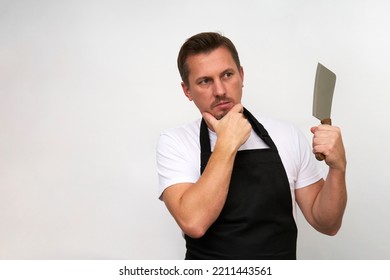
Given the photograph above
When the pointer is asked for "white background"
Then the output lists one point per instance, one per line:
(86, 87)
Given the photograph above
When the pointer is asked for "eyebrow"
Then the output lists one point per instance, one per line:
(222, 73)
(229, 70)
(201, 78)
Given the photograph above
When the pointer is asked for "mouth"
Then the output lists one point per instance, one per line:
(221, 109)
(222, 104)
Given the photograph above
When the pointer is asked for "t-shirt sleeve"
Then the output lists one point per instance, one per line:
(309, 171)
(174, 164)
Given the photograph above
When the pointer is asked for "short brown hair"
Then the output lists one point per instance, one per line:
(203, 43)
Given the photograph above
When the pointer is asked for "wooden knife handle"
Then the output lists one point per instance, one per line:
(320, 156)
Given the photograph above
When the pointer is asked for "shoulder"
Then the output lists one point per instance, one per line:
(182, 132)
(279, 128)
(295, 151)
(183, 137)
(178, 155)
(287, 136)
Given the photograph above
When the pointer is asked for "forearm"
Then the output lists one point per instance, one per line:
(201, 203)
(329, 206)
(195, 207)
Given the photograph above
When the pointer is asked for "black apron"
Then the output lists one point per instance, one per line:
(257, 220)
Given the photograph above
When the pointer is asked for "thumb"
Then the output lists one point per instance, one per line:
(313, 129)
(210, 120)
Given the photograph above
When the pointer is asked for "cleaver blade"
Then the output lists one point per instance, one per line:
(324, 85)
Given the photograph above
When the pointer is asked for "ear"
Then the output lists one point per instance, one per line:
(186, 91)
(242, 75)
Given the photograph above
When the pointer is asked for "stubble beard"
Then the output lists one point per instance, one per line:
(217, 101)
(221, 115)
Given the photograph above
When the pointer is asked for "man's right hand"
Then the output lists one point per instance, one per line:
(233, 129)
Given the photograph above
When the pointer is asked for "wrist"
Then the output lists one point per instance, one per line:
(341, 169)
(226, 148)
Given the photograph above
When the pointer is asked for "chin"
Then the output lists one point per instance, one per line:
(220, 115)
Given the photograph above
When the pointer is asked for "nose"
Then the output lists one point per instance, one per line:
(219, 88)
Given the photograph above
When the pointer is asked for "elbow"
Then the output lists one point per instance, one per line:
(194, 230)
(330, 231)
(195, 234)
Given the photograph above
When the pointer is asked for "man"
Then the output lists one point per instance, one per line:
(231, 181)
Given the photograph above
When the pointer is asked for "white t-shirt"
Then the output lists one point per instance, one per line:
(178, 154)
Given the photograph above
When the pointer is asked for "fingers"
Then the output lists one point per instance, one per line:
(238, 108)
(323, 138)
(210, 120)
(233, 129)
(327, 140)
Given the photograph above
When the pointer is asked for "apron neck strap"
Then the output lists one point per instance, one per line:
(257, 127)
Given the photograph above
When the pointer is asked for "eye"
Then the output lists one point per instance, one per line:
(227, 74)
(204, 81)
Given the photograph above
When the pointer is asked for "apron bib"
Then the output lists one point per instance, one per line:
(257, 220)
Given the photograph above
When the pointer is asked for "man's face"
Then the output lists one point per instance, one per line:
(215, 82)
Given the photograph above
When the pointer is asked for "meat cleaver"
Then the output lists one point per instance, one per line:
(322, 99)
